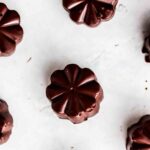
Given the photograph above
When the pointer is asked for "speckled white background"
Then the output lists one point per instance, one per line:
(52, 40)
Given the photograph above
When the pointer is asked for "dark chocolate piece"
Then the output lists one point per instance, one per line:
(75, 93)
(139, 135)
(11, 32)
(6, 122)
(90, 12)
(146, 49)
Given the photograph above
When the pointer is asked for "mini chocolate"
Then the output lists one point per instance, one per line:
(74, 93)
(90, 12)
(6, 122)
(139, 135)
(146, 49)
(11, 32)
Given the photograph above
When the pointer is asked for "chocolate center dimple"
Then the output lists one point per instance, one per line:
(72, 88)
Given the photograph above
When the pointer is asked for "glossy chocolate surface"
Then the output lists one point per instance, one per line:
(90, 12)
(6, 122)
(146, 49)
(11, 32)
(75, 94)
(139, 135)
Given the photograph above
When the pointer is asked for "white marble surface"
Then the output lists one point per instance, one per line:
(52, 40)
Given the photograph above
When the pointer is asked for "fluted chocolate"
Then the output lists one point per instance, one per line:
(146, 49)
(6, 122)
(74, 93)
(139, 135)
(90, 12)
(11, 32)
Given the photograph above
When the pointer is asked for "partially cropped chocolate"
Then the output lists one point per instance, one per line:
(6, 122)
(139, 135)
(146, 49)
(74, 93)
(11, 32)
(90, 12)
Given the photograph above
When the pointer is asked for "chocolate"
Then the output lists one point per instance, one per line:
(11, 32)
(74, 93)
(90, 12)
(146, 49)
(6, 122)
(139, 135)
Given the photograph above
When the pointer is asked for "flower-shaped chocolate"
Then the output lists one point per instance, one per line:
(139, 135)
(90, 12)
(146, 49)
(11, 32)
(75, 94)
(6, 122)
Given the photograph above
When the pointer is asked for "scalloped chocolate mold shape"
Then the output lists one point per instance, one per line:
(6, 122)
(74, 93)
(11, 32)
(90, 12)
(146, 49)
(139, 135)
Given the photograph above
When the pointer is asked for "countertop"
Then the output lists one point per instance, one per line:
(51, 41)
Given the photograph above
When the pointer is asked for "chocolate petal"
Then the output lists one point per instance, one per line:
(54, 91)
(71, 72)
(77, 14)
(112, 2)
(3, 106)
(106, 11)
(69, 4)
(91, 18)
(13, 32)
(7, 45)
(4, 137)
(3, 10)
(87, 103)
(146, 48)
(2, 122)
(139, 137)
(146, 130)
(90, 89)
(73, 108)
(107, 14)
(59, 78)
(59, 104)
(144, 119)
(11, 18)
(147, 44)
(86, 75)
(137, 146)
(147, 58)
(6, 122)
